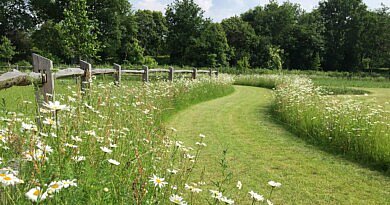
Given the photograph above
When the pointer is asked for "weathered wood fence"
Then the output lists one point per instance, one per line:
(43, 76)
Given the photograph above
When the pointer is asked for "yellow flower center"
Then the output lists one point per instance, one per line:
(158, 181)
(36, 192)
(7, 178)
(55, 186)
(2, 175)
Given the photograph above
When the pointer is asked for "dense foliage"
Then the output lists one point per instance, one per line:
(341, 35)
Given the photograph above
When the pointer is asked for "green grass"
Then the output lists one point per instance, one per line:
(353, 82)
(124, 119)
(260, 150)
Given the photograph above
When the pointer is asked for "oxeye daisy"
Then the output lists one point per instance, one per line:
(114, 162)
(255, 196)
(160, 182)
(68, 183)
(239, 185)
(176, 199)
(274, 184)
(55, 187)
(55, 106)
(36, 194)
(105, 149)
(9, 179)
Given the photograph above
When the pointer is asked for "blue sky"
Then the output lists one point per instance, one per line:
(219, 9)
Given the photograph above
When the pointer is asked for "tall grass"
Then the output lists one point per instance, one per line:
(108, 146)
(351, 127)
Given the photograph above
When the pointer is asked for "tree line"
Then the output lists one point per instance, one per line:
(339, 35)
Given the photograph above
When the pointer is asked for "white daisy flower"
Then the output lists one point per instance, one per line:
(55, 106)
(36, 194)
(239, 185)
(160, 182)
(114, 162)
(274, 184)
(105, 149)
(176, 199)
(256, 196)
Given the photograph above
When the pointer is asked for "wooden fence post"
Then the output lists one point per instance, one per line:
(118, 74)
(210, 72)
(194, 73)
(145, 76)
(44, 66)
(216, 74)
(171, 73)
(86, 79)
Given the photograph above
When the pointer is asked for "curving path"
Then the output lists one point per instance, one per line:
(260, 150)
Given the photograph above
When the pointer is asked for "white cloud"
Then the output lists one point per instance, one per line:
(205, 4)
(155, 5)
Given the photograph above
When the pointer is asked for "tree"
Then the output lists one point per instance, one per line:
(343, 24)
(15, 15)
(376, 38)
(49, 10)
(53, 46)
(185, 20)
(152, 31)
(80, 33)
(133, 52)
(115, 22)
(211, 48)
(7, 51)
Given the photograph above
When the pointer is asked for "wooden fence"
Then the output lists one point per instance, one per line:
(43, 76)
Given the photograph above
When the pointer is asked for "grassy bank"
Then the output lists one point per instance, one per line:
(105, 147)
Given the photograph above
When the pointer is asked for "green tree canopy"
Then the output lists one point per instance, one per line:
(7, 51)
(152, 31)
(80, 33)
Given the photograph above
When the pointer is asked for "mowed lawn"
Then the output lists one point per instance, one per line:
(259, 150)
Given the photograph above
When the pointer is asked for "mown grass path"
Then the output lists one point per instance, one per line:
(260, 150)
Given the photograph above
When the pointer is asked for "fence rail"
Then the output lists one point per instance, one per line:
(43, 77)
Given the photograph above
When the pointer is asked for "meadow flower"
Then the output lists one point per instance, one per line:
(55, 106)
(90, 132)
(71, 145)
(226, 200)
(216, 194)
(202, 136)
(54, 187)
(36, 194)
(269, 202)
(114, 162)
(172, 171)
(256, 196)
(78, 158)
(160, 182)
(192, 188)
(45, 148)
(9, 179)
(201, 144)
(274, 184)
(105, 149)
(176, 199)
(26, 126)
(49, 121)
(68, 183)
(239, 185)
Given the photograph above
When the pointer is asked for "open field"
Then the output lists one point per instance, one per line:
(133, 132)
(260, 149)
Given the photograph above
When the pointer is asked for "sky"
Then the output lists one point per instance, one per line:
(220, 9)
